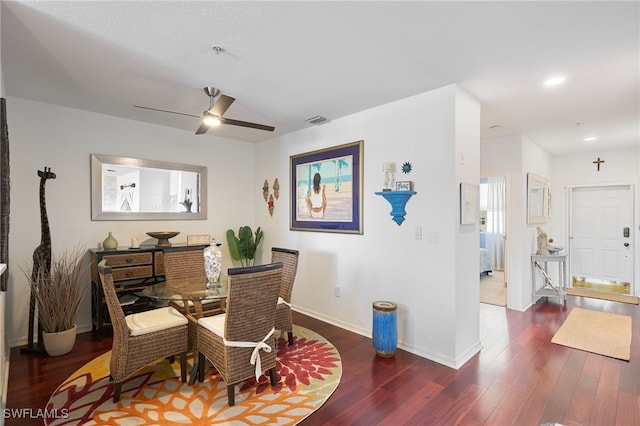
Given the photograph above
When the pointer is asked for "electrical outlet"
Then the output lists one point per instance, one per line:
(433, 236)
(418, 232)
(336, 291)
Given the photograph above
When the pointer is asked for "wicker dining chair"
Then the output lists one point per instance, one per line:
(180, 265)
(141, 338)
(245, 331)
(289, 259)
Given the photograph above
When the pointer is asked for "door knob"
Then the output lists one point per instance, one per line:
(626, 244)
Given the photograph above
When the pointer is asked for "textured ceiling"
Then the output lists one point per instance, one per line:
(287, 61)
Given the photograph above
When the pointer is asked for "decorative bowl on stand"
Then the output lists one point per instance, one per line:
(163, 237)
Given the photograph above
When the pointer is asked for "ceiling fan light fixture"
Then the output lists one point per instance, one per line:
(210, 119)
(555, 81)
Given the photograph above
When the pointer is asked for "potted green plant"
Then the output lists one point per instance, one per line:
(243, 246)
(59, 296)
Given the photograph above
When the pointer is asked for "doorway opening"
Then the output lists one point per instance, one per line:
(493, 284)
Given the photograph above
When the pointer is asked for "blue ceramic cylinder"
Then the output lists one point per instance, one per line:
(385, 328)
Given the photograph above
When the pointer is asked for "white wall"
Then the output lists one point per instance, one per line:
(620, 167)
(63, 139)
(434, 281)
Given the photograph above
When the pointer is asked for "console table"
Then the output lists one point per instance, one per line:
(133, 270)
(549, 287)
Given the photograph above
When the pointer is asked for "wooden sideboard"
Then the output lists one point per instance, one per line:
(133, 270)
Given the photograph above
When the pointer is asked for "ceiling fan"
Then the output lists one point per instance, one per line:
(213, 116)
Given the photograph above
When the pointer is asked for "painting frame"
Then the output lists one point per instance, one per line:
(334, 203)
(469, 203)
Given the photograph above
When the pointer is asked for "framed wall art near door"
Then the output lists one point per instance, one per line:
(326, 189)
(469, 203)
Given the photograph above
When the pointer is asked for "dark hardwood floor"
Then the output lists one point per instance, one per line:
(519, 377)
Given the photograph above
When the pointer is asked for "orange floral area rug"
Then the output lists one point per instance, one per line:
(309, 371)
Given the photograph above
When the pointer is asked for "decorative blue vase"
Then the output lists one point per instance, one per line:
(385, 328)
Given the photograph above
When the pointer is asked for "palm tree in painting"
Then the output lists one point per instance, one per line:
(339, 163)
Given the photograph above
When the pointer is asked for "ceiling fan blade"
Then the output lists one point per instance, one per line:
(165, 110)
(246, 124)
(221, 105)
(202, 129)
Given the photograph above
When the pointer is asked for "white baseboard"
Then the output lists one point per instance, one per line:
(24, 340)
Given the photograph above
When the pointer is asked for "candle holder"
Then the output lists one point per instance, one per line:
(387, 170)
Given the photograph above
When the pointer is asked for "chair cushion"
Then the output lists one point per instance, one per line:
(214, 324)
(154, 320)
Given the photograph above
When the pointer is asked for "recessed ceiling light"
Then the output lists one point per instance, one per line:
(554, 81)
(591, 139)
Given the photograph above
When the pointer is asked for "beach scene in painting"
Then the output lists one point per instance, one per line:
(332, 198)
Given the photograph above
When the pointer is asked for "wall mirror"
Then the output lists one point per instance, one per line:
(124, 188)
(537, 199)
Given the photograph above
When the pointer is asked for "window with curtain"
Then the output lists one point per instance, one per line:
(492, 196)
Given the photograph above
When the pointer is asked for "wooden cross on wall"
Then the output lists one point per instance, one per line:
(598, 162)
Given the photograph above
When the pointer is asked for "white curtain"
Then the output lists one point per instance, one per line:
(495, 221)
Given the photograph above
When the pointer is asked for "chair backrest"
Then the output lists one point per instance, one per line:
(181, 264)
(289, 259)
(118, 322)
(251, 302)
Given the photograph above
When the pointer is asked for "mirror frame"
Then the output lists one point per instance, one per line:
(97, 160)
(533, 179)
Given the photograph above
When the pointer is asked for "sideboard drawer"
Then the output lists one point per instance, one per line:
(117, 260)
(122, 274)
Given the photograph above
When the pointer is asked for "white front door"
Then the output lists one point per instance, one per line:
(601, 233)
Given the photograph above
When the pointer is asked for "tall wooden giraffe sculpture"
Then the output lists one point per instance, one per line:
(41, 258)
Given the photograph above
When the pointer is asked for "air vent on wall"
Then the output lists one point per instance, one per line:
(318, 119)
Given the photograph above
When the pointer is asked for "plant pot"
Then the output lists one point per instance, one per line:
(60, 343)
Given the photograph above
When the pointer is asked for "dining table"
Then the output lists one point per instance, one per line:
(191, 291)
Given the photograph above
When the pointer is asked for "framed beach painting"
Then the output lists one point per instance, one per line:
(326, 189)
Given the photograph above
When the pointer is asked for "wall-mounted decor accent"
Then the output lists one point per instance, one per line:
(269, 198)
(326, 189)
(135, 189)
(406, 167)
(398, 201)
(538, 199)
(265, 190)
(597, 163)
(404, 185)
(469, 203)
(5, 199)
(270, 205)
